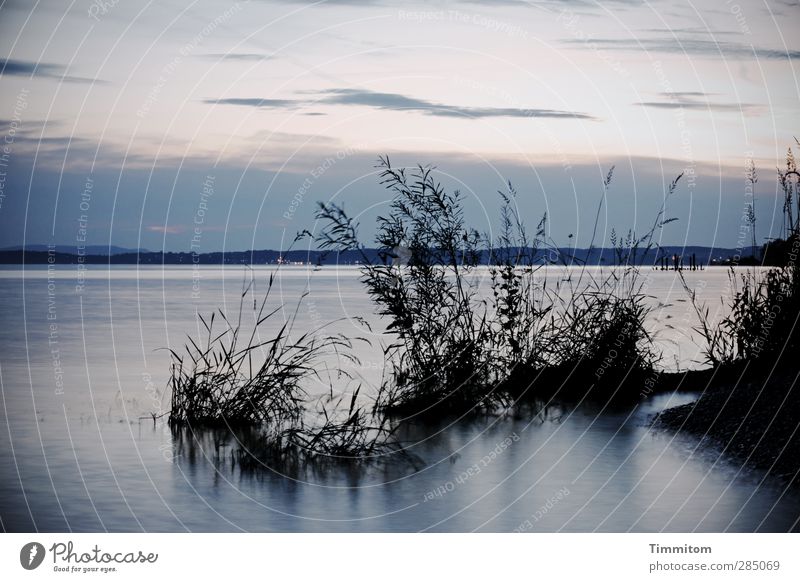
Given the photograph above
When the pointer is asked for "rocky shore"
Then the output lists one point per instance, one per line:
(750, 414)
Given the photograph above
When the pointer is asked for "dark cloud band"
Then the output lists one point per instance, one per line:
(398, 102)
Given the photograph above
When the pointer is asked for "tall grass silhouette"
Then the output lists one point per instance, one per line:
(762, 320)
(457, 351)
(239, 375)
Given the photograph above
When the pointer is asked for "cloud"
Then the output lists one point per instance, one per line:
(235, 57)
(498, 2)
(696, 47)
(54, 149)
(26, 69)
(255, 102)
(166, 228)
(699, 101)
(315, 3)
(691, 30)
(16, 68)
(590, 5)
(491, 3)
(685, 94)
(398, 102)
(30, 128)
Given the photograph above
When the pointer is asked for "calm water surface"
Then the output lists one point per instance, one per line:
(80, 367)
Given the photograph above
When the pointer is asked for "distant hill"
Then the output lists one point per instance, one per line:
(103, 250)
(37, 254)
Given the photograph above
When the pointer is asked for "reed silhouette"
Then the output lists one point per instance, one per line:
(458, 352)
(239, 377)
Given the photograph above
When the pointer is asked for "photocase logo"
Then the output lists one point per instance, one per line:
(31, 555)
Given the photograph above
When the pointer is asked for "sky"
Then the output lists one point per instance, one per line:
(216, 125)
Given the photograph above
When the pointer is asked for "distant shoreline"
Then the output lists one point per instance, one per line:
(598, 256)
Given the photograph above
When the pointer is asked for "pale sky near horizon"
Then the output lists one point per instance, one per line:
(148, 101)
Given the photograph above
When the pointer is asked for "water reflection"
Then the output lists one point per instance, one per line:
(569, 469)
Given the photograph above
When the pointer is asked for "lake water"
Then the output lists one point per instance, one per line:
(81, 365)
